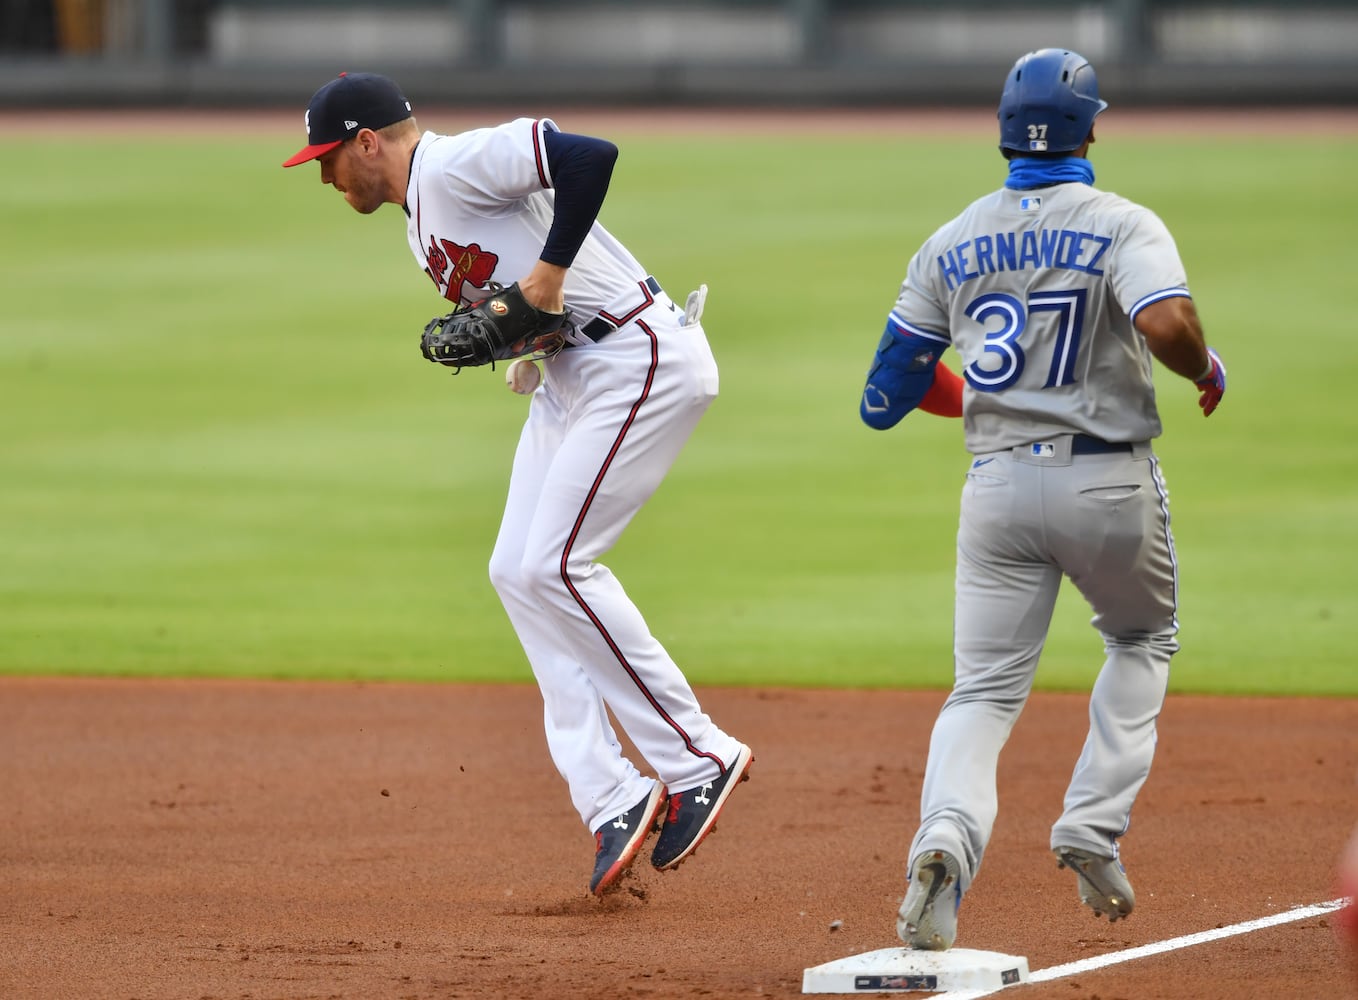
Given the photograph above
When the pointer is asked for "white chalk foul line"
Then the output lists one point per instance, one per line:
(1173, 944)
(1187, 941)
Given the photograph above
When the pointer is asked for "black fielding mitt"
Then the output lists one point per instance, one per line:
(499, 327)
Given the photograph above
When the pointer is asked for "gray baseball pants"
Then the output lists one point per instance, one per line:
(1030, 517)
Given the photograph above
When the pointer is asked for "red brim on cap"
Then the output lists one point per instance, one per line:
(311, 152)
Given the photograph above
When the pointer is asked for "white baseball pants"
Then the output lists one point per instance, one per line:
(602, 432)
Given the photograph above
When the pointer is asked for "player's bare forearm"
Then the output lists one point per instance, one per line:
(1173, 332)
(544, 286)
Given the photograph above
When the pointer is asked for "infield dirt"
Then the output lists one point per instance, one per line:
(211, 839)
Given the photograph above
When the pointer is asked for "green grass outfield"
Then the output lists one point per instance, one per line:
(223, 455)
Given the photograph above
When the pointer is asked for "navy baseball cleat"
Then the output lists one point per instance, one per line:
(618, 841)
(693, 813)
(928, 916)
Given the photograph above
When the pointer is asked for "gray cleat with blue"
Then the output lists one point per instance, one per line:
(928, 916)
(1102, 881)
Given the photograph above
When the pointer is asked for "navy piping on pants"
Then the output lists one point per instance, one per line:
(575, 531)
(605, 323)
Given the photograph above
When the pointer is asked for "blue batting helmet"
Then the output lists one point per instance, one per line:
(1049, 102)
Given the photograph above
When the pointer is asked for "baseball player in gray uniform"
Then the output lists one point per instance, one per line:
(518, 203)
(1057, 297)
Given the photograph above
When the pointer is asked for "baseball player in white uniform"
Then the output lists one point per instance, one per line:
(1057, 297)
(519, 202)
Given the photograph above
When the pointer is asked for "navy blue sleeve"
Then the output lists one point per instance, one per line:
(581, 169)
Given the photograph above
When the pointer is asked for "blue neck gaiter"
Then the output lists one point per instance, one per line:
(1027, 173)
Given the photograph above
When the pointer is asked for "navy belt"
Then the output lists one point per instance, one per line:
(1084, 444)
(604, 324)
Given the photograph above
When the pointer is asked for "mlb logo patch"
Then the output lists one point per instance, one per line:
(1044, 449)
(1030, 204)
(1037, 145)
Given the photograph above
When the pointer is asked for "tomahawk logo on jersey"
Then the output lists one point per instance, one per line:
(470, 265)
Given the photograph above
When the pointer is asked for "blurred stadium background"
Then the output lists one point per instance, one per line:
(100, 53)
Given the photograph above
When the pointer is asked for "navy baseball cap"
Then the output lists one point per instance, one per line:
(346, 104)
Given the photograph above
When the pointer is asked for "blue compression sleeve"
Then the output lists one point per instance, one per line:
(581, 169)
(901, 373)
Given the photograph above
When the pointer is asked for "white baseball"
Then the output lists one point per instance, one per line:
(523, 376)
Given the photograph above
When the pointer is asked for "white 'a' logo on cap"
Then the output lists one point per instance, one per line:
(307, 120)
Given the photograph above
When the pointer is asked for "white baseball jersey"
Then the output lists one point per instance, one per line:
(603, 430)
(481, 205)
(1036, 290)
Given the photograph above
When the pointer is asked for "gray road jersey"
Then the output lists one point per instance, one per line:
(1037, 290)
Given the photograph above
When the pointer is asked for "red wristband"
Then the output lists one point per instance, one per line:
(944, 397)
